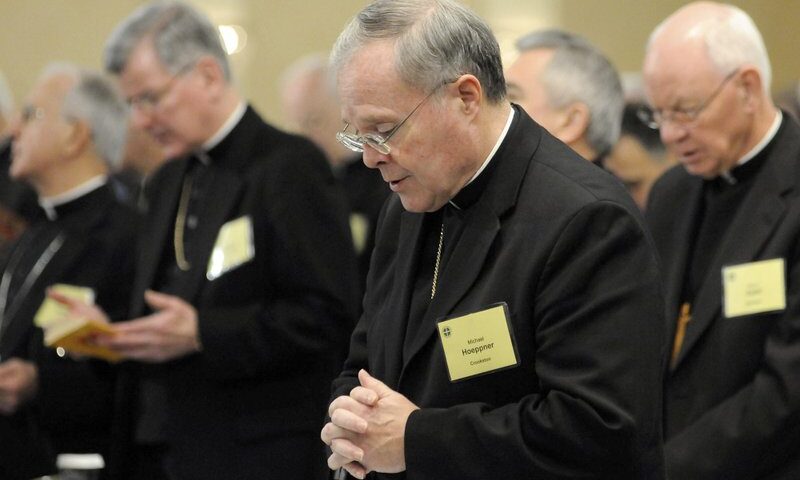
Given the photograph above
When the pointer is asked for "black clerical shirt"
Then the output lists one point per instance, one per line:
(721, 199)
(452, 218)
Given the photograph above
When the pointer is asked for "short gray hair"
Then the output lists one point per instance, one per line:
(95, 99)
(180, 34)
(579, 72)
(435, 42)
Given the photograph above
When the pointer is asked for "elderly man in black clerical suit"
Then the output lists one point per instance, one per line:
(245, 289)
(727, 225)
(72, 127)
(513, 323)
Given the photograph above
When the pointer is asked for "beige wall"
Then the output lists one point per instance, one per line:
(33, 32)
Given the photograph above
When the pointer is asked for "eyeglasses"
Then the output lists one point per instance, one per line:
(147, 102)
(356, 142)
(681, 116)
(30, 113)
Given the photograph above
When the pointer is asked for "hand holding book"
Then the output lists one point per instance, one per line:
(70, 320)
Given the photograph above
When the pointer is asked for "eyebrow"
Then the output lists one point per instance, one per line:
(371, 120)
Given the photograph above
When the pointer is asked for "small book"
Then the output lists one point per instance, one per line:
(70, 332)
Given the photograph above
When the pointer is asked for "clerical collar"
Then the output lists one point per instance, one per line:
(226, 127)
(728, 175)
(470, 192)
(49, 204)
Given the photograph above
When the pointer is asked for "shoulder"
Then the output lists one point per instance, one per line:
(560, 183)
(672, 184)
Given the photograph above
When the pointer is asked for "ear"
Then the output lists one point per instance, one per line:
(575, 119)
(77, 139)
(750, 88)
(210, 74)
(470, 94)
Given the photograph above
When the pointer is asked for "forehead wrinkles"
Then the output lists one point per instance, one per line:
(369, 83)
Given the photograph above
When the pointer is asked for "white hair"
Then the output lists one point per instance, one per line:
(95, 99)
(731, 39)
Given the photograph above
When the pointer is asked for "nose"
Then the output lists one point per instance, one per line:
(140, 118)
(373, 158)
(15, 125)
(672, 132)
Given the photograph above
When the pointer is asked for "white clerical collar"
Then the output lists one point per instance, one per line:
(761, 145)
(226, 127)
(491, 154)
(49, 204)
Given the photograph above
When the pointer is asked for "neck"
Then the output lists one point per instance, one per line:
(68, 176)
(582, 148)
(763, 122)
(219, 113)
(490, 128)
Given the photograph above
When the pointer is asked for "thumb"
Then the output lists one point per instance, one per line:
(157, 301)
(372, 383)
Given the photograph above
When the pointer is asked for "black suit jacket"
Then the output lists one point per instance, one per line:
(274, 330)
(732, 404)
(366, 192)
(72, 411)
(561, 243)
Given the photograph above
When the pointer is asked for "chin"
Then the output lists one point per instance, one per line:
(701, 170)
(174, 151)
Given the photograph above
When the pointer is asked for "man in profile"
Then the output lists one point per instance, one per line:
(570, 88)
(245, 288)
(504, 332)
(70, 132)
(310, 102)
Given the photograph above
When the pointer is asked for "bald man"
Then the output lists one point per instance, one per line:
(726, 222)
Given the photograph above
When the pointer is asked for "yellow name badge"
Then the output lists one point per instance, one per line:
(478, 343)
(234, 246)
(755, 287)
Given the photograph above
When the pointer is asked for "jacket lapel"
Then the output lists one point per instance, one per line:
(217, 209)
(20, 319)
(675, 271)
(162, 217)
(482, 226)
(759, 216)
(458, 275)
(395, 321)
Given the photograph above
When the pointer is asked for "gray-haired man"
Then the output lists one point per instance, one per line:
(570, 88)
(71, 130)
(504, 333)
(246, 280)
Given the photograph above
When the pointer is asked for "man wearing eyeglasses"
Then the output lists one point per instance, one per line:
(727, 225)
(505, 333)
(246, 283)
(69, 134)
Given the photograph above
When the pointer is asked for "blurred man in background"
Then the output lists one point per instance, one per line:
(69, 133)
(570, 88)
(246, 286)
(726, 222)
(312, 107)
(639, 157)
